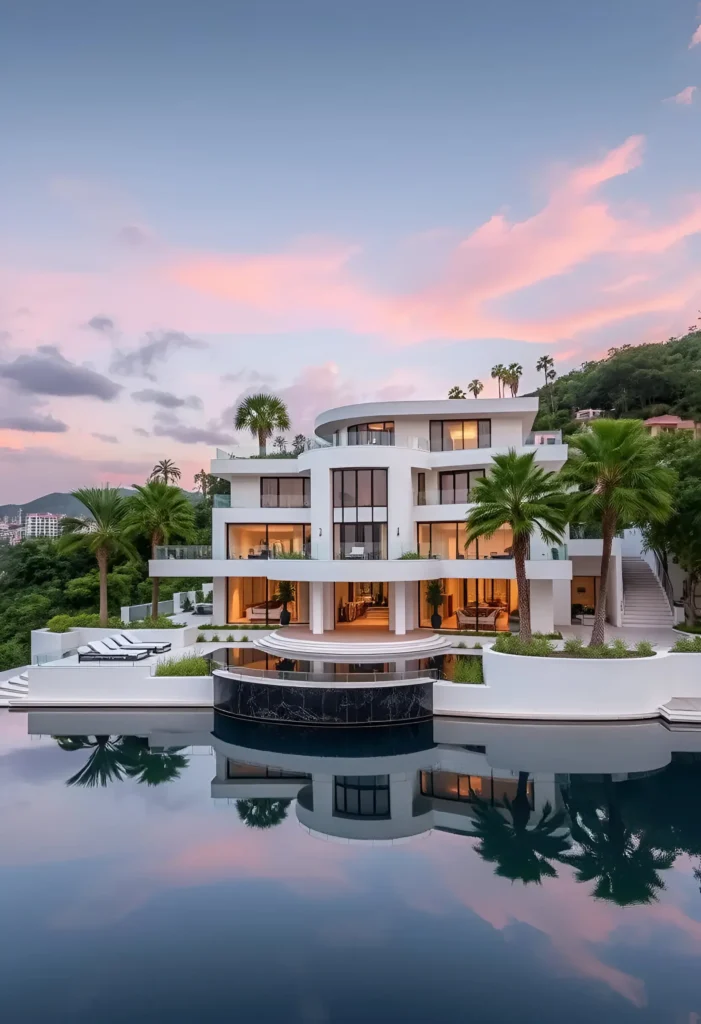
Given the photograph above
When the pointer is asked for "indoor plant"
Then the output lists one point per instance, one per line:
(285, 594)
(435, 595)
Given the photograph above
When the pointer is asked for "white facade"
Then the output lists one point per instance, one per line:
(410, 467)
(42, 524)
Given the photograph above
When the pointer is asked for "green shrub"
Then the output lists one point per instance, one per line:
(230, 638)
(160, 622)
(461, 644)
(644, 649)
(214, 639)
(574, 646)
(62, 623)
(187, 605)
(687, 645)
(688, 627)
(191, 665)
(200, 638)
(244, 639)
(477, 647)
(538, 647)
(618, 648)
(410, 555)
(467, 669)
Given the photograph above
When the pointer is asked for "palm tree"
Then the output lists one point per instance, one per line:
(498, 372)
(159, 512)
(202, 482)
(154, 767)
(624, 864)
(108, 761)
(621, 481)
(520, 853)
(475, 387)
(512, 377)
(108, 508)
(519, 494)
(164, 471)
(544, 365)
(456, 392)
(262, 812)
(262, 414)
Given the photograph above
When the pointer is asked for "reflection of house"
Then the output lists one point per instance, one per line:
(372, 511)
(670, 424)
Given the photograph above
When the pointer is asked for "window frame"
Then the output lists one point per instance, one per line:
(343, 783)
(306, 538)
(305, 491)
(434, 424)
(469, 473)
(361, 469)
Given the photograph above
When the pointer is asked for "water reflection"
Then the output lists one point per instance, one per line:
(114, 758)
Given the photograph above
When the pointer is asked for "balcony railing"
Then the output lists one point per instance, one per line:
(433, 496)
(538, 437)
(588, 531)
(348, 550)
(267, 501)
(184, 551)
(378, 438)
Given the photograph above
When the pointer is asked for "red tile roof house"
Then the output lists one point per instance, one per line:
(660, 424)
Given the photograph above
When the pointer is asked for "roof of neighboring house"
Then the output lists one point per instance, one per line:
(669, 421)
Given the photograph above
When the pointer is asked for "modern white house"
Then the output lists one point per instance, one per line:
(373, 510)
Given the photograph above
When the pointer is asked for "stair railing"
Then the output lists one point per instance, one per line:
(664, 579)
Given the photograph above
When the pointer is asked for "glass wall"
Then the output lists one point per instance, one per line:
(254, 600)
(371, 433)
(284, 492)
(360, 488)
(447, 540)
(361, 796)
(366, 604)
(457, 435)
(464, 788)
(472, 604)
(360, 540)
(263, 540)
(455, 488)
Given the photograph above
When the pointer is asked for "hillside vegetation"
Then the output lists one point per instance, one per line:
(632, 381)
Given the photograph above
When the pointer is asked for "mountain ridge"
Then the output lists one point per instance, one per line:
(63, 503)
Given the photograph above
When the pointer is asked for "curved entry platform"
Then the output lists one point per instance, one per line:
(348, 645)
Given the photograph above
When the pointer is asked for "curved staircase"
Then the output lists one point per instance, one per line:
(644, 600)
(14, 690)
(289, 646)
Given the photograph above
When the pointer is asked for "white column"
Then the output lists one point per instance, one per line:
(542, 617)
(329, 605)
(220, 613)
(400, 608)
(316, 607)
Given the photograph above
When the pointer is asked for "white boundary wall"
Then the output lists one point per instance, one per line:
(571, 688)
(116, 686)
(53, 645)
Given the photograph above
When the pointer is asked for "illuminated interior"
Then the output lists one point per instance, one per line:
(472, 604)
(254, 600)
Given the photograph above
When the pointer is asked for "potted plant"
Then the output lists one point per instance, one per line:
(435, 596)
(285, 594)
(588, 615)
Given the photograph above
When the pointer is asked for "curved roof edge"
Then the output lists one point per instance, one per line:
(454, 408)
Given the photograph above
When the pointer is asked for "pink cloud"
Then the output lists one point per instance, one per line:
(686, 96)
(696, 38)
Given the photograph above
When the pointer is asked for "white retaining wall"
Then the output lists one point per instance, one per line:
(116, 685)
(571, 688)
(53, 645)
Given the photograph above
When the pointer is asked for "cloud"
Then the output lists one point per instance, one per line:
(685, 97)
(696, 38)
(166, 399)
(157, 347)
(25, 473)
(32, 423)
(168, 425)
(47, 372)
(107, 438)
(134, 235)
(141, 432)
(249, 377)
(101, 324)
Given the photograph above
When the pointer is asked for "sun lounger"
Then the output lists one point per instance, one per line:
(134, 638)
(153, 646)
(96, 651)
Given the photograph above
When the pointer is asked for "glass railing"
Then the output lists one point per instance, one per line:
(432, 496)
(270, 554)
(544, 437)
(360, 552)
(183, 551)
(266, 501)
(222, 501)
(326, 677)
(380, 438)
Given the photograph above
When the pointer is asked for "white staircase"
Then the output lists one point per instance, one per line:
(644, 600)
(288, 646)
(14, 690)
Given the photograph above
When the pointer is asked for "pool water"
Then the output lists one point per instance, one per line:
(174, 867)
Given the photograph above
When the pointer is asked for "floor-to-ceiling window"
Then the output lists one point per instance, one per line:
(273, 540)
(482, 605)
(255, 600)
(458, 435)
(284, 492)
(372, 433)
(360, 513)
(362, 604)
(467, 788)
(455, 487)
(447, 540)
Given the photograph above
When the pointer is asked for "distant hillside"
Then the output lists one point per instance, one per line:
(63, 504)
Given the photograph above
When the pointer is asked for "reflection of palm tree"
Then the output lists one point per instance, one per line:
(262, 812)
(623, 863)
(520, 853)
(114, 758)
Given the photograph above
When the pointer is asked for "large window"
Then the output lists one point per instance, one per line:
(253, 600)
(455, 488)
(284, 492)
(465, 788)
(447, 540)
(361, 796)
(242, 770)
(481, 605)
(360, 540)
(371, 433)
(360, 488)
(274, 540)
(457, 435)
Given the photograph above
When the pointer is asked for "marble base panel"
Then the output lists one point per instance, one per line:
(318, 705)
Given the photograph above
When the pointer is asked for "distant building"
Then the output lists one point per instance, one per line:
(583, 415)
(670, 424)
(42, 524)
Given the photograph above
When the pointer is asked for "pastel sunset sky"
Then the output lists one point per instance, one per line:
(338, 201)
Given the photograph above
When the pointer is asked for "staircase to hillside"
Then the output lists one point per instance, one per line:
(644, 600)
(14, 689)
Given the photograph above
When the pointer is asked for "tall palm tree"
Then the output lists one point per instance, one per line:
(153, 767)
(498, 372)
(544, 365)
(520, 853)
(620, 480)
(623, 863)
(475, 387)
(108, 761)
(159, 512)
(519, 494)
(513, 375)
(202, 482)
(456, 392)
(262, 812)
(165, 471)
(262, 415)
(108, 508)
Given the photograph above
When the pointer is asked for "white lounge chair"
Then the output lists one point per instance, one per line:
(356, 553)
(154, 646)
(96, 651)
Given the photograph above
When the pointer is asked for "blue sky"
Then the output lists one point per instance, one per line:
(334, 200)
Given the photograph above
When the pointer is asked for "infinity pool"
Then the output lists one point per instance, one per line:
(186, 867)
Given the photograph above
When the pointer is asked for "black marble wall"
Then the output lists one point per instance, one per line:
(320, 706)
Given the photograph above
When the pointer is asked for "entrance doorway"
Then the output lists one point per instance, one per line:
(362, 605)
